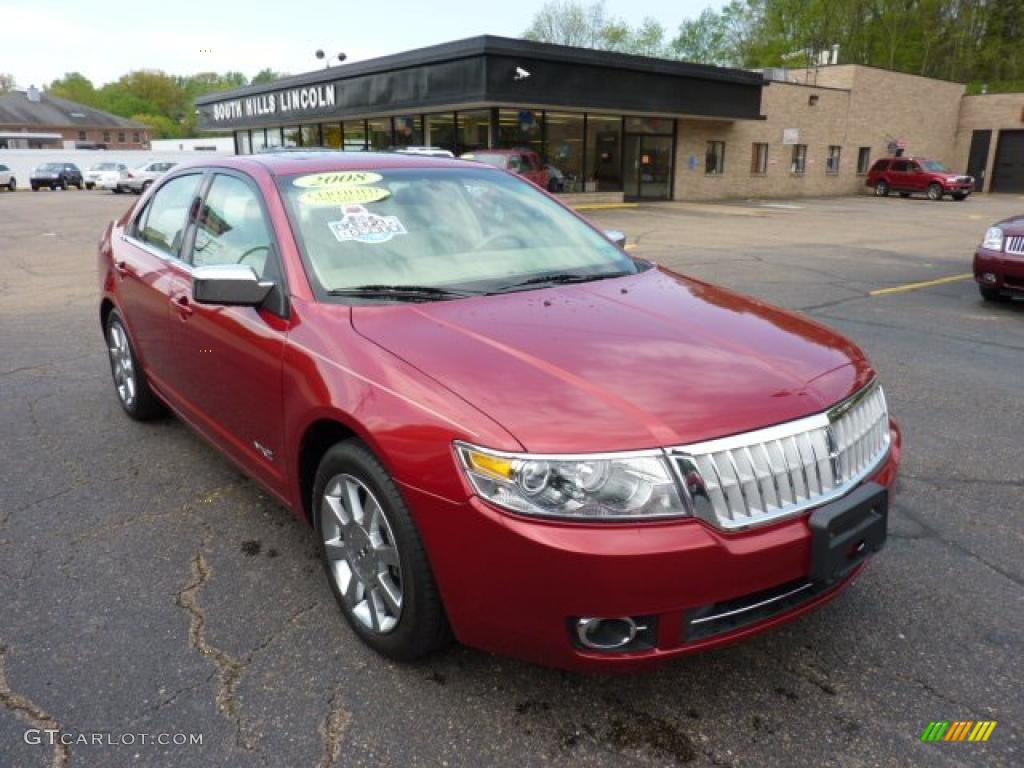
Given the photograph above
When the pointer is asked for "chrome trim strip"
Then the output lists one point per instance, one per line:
(527, 456)
(769, 601)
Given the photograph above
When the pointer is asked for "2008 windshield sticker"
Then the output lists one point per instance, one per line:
(337, 179)
(364, 227)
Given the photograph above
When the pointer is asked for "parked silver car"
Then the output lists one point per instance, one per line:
(105, 175)
(139, 179)
(7, 179)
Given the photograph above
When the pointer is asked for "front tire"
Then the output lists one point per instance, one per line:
(934, 191)
(130, 382)
(89, 186)
(12, 185)
(117, 190)
(882, 189)
(374, 558)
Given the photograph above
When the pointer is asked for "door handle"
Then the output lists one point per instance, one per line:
(121, 267)
(183, 305)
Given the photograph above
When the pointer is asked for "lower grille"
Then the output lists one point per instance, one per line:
(769, 474)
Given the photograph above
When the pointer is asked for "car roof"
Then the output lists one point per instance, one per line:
(286, 163)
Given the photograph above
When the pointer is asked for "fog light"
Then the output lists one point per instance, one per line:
(623, 633)
(988, 277)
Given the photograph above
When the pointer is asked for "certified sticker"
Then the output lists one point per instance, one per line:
(327, 196)
(364, 227)
(337, 179)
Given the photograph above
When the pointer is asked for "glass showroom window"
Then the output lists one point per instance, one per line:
(603, 171)
(565, 151)
(714, 158)
(832, 162)
(662, 125)
(259, 140)
(863, 161)
(330, 135)
(311, 136)
(378, 133)
(441, 130)
(355, 135)
(474, 130)
(799, 162)
(292, 136)
(521, 129)
(243, 144)
(759, 159)
(409, 131)
(274, 137)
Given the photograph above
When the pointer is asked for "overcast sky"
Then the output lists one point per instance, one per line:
(43, 39)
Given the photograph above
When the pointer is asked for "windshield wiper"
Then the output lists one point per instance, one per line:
(562, 278)
(407, 292)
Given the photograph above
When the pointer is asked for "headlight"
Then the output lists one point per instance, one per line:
(599, 487)
(993, 239)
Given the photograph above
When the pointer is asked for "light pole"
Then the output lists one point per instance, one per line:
(327, 62)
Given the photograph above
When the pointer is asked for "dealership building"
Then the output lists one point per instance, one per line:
(618, 126)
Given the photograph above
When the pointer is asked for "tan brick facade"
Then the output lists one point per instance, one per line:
(995, 112)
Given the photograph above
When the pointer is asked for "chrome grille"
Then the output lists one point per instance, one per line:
(1015, 244)
(762, 476)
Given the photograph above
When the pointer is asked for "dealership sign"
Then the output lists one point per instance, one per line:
(292, 101)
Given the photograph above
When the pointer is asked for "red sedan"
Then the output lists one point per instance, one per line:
(501, 426)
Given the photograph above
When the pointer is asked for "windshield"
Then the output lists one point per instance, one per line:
(452, 228)
(104, 167)
(50, 167)
(935, 165)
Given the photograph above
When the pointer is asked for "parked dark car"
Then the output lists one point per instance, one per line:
(56, 176)
(918, 175)
(999, 260)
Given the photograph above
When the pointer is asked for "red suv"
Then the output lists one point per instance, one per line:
(918, 175)
(499, 424)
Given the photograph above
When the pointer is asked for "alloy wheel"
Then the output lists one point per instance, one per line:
(121, 364)
(362, 553)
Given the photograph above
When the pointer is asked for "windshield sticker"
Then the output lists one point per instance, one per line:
(327, 196)
(364, 227)
(337, 179)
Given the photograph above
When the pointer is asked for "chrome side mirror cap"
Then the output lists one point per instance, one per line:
(229, 284)
(617, 237)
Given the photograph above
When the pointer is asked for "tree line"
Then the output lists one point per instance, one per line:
(978, 42)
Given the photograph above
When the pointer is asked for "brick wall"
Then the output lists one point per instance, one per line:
(995, 112)
(96, 135)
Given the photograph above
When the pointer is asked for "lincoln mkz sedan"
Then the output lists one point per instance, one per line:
(502, 427)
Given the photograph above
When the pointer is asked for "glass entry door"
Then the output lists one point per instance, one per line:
(648, 171)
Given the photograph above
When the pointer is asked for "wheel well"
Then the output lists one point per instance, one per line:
(105, 309)
(320, 436)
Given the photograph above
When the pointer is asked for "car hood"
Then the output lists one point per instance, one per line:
(1011, 226)
(653, 359)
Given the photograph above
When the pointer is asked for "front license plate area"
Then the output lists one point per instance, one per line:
(846, 531)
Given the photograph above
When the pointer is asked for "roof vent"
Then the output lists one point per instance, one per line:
(32, 94)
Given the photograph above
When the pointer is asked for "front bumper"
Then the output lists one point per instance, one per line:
(512, 585)
(999, 270)
(958, 187)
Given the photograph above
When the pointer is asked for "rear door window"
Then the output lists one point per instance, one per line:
(881, 165)
(899, 166)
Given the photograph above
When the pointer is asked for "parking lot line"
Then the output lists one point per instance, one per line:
(924, 284)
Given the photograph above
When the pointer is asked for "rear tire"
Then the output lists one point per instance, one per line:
(117, 190)
(12, 185)
(882, 189)
(130, 382)
(35, 187)
(934, 191)
(89, 186)
(990, 293)
(145, 185)
(363, 559)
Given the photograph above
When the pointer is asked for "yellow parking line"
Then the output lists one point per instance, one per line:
(630, 246)
(925, 284)
(604, 206)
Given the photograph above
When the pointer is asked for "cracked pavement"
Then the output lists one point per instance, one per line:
(150, 588)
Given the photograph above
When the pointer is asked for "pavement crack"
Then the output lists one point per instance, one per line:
(31, 713)
(332, 730)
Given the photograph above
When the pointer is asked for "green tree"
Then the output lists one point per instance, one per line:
(161, 126)
(76, 87)
(705, 40)
(6, 82)
(266, 75)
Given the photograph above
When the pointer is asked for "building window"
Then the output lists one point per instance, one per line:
(355, 135)
(259, 140)
(121, 137)
(474, 130)
(714, 158)
(759, 159)
(330, 135)
(310, 135)
(408, 131)
(135, 137)
(564, 156)
(378, 133)
(243, 145)
(441, 131)
(106, 135)
(799, 164)
(832, 162)
(863, 161)
(603, 171)
(292, 136)
(520, 128)
(273, 138)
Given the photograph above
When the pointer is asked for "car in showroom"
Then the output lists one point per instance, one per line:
(105, 175)
(139, 179)
(56, 176)
(999, 260)
(524, 162)
(918, 175)
(7, 178)
(500, 425)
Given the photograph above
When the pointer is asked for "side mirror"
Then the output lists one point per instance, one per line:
(231, 284)
(617, 237)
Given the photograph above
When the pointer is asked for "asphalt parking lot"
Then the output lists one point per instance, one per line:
(150, 588)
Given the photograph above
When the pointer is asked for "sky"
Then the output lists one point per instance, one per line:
(44, 39)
